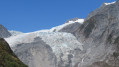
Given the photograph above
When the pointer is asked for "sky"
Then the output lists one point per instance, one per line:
(33, 15)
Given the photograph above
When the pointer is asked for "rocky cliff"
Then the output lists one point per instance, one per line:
(36, 54)
(4, 32)
(99, 35)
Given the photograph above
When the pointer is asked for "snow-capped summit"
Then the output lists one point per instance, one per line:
(75, 20)
(70, 22)
(110, 3)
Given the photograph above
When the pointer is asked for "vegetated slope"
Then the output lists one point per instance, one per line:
(7, 57)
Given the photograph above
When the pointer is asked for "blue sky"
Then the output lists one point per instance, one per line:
(33, 15)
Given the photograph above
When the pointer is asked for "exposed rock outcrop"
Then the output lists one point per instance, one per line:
(4, 32)
(36, 54)
(99, 35)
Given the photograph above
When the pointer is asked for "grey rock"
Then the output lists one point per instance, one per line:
(36, 54)
(72, 28)
(4, 32)
(73, 19)
(99, 35)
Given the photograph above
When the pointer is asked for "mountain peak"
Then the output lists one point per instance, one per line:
(75, 20)
(110, 3)
(4, 32)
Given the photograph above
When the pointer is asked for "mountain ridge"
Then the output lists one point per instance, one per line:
(4, 32)
(91, 43)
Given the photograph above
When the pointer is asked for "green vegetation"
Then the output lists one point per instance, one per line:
(7, 57)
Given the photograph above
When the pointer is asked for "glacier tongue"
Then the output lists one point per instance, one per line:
(59, 41)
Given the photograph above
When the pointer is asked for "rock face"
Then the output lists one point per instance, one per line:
(4, 32)
(100, 35)
(36, 54)
(7, 57)
(71, 28)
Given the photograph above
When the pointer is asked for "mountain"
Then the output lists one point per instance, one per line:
(73, 25)
(7, 57)
(29, 47)
(99, 35)
(4, 32)
(90, 42)
(75, 20)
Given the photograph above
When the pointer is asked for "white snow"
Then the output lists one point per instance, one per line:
(109, 3)
(79, 21)
(19, 39)
(59, 41)
(14, 33)
(57, 28)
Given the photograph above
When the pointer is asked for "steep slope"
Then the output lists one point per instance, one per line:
(14, 33)
(69, 24)
(99, 35)
(7, 57)
(35, 54)
(71, 28)
(4, 32)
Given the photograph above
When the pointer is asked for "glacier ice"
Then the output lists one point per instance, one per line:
(59, 41)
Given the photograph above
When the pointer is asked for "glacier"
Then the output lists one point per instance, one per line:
(62, 43)
(57, 40)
